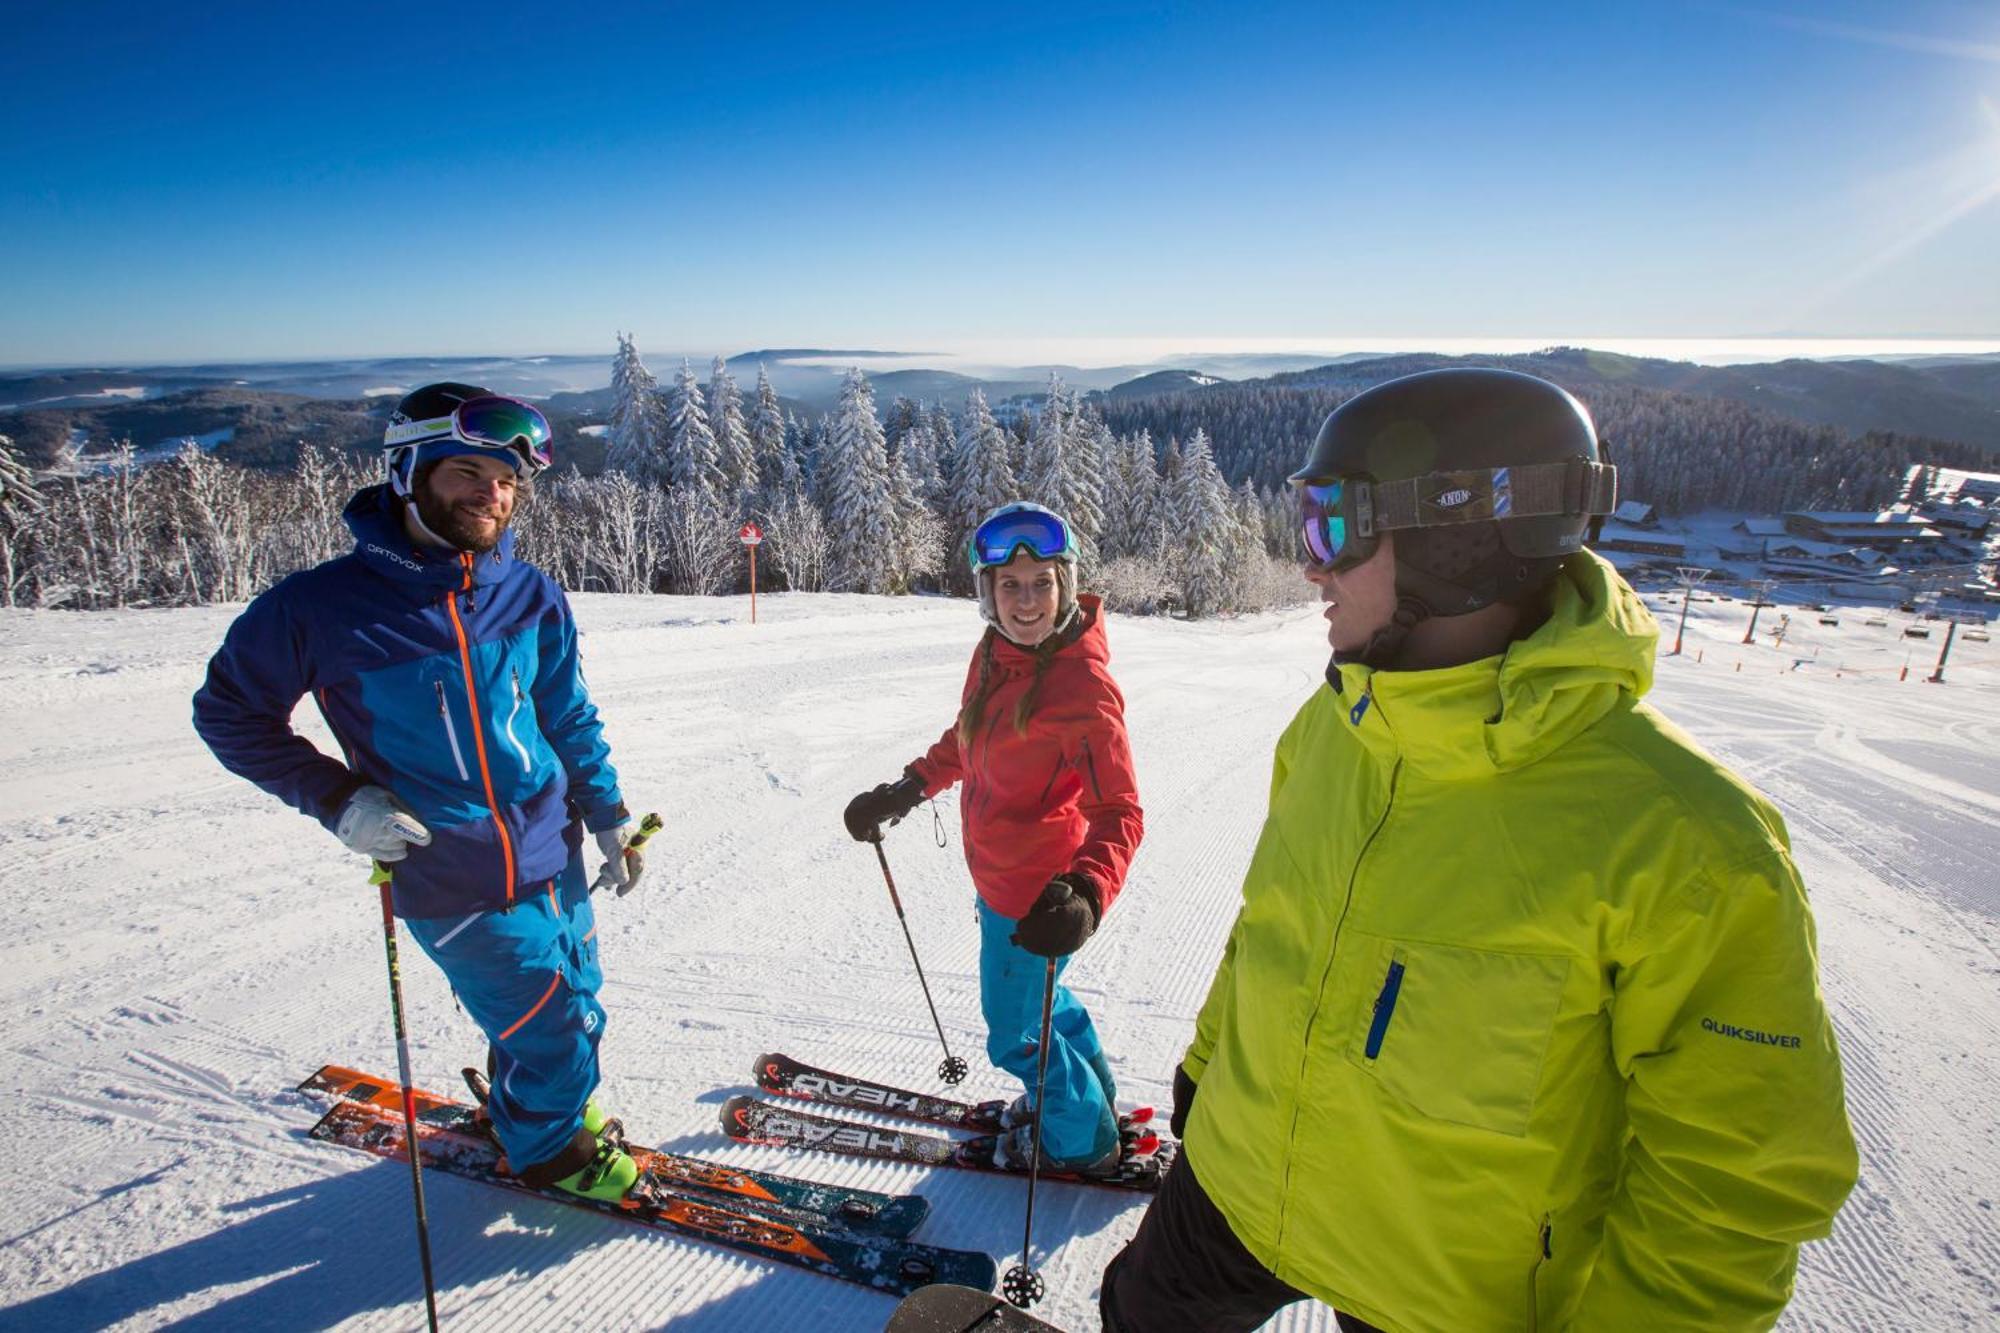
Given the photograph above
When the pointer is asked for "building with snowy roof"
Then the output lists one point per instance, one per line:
(1884, 531)
(1617, 536)
(1797, 555)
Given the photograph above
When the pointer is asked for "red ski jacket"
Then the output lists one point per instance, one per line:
(1060, 798)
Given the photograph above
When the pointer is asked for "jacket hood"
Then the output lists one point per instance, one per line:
(1592, 654)
(375, 516)
(1087, 641)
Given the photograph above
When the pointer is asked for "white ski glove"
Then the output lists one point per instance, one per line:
(376, 824)
(622, 864)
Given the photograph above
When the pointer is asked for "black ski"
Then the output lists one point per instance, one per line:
(885, 1263)
(750, 1121)
(786, 1077)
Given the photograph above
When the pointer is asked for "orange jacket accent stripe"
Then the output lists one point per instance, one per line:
(522, 1020)
(479, 732)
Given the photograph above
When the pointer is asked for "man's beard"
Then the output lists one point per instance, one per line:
(462, 531)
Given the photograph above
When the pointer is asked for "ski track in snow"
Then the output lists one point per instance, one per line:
(183, 950)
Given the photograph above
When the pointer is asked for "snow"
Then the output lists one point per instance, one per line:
(181, 950)
(592, 430)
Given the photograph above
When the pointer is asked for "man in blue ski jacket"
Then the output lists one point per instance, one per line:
(474, 761)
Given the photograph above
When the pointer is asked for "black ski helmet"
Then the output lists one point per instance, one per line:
(1489, 478)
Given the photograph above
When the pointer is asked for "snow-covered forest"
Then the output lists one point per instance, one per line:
(1177, 498)
(1678, 452)
(860, 500)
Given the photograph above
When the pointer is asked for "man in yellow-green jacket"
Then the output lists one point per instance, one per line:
(1519, 1026)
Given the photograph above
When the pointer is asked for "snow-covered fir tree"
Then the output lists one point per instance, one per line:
(944, 434)
(983, 476)
(767, 433)
(1204, 533)
(899, 420)
(1133, 522)
(920, 535)
(734, 452)
(855, 491)
(1062, 469)
(691, 452)
(635, 441)
(917, 452)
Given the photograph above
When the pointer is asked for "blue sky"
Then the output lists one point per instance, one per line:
(208, 181)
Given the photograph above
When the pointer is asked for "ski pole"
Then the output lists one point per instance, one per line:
(380, 878)
(951, 1069)
(1022, 1285)
(648, 826)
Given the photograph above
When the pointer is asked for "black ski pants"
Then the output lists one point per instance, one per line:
(1185, 1272)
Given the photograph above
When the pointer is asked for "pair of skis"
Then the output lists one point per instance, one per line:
(1143, 1162)
(858, 1235)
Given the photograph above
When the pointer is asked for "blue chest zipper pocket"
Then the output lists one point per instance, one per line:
(451, 733)
(1385, 1008)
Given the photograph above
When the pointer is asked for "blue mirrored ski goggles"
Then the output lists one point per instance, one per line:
(1041, 533)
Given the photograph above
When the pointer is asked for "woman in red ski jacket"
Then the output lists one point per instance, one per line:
(1051, 820)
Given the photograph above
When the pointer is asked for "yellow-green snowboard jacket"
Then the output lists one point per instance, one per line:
(1520, 1024)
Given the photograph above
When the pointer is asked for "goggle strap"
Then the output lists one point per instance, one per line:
(411, 432)
(1537, 490)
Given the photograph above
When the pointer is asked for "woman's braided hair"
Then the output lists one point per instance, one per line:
(974, 711)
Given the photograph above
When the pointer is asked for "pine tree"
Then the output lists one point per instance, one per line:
(691, 452)
(635, 442)
(767, 434)
(944, 435)
(1064, 468)
(857, 494)
(1133, 524)
(899, 420)
(985, 480)
(1205, 530)
(917, 451)
(734, 452)
(920, 536)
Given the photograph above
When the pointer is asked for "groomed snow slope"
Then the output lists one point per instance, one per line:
(181, 950)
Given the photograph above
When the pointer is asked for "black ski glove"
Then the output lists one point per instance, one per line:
(1184, 1090)
(868, 812)
(1061, 919)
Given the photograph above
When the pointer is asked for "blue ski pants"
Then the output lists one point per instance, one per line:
(529, 977)
(1078, 1123)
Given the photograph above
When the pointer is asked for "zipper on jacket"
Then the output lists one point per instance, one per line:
(1090, 766)
(527, 765)
(1385, 1007)
(451, 733)
(1050, 785)
(1319, 996)
(1542, 1256)
(478, 732)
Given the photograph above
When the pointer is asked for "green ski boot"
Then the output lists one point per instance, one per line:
(595, 1165)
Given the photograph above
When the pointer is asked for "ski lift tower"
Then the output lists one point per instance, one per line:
(1689, 575)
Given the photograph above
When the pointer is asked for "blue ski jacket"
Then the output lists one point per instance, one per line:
(448, 678)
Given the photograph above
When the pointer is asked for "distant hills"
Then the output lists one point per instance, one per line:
(256, 412)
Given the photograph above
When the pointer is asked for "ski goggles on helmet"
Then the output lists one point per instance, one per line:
(1041, 533)
(488, 423)
(1341, 518)
(1336, 521)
